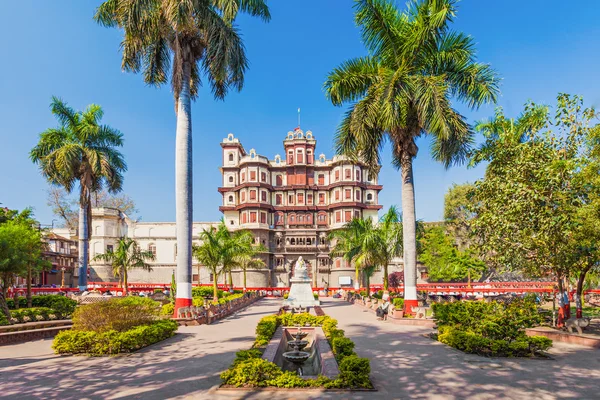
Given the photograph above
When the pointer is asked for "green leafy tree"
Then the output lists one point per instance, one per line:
(390, 233)
(21, 249)
(81, 151)
(247, 262)
(190, 39)
(457, 214)
(127, 256)
(534, 206)
(404, 90)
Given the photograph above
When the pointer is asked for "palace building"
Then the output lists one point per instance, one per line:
(290, 203)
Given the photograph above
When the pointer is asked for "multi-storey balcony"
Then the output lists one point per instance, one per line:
(300, 248)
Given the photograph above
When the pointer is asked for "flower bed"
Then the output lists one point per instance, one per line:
(250, 370)
(490, 329)
(119, 325)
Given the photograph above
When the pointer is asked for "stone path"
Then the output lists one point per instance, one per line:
(405, 365)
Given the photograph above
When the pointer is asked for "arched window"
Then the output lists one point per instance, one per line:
(231, 179)
(299, 156)
(278, 180)
(369, 197)
(230, 156)
(230, 199)
(152, 249)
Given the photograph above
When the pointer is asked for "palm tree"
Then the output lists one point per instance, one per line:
(246, 262)
(390, 234)
(359, 243)
(402, 90)
(81, 150)
(191, 38)
(126, 256)
(236, 244)
(210, 254)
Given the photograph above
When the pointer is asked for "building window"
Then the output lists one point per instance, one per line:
(278, 199)
(278, 180)
(244, 218)
(263, 218)
(369, 197)
(321, 180)
(337, 194)
(253, 176)
(348, 174)
(263, 196)
(252, 217)
(357, 195)
(231, 222)
(211, 277)
(299, 156)
(243, 197)
(152, 249)
(290, 158)
(300, 198)
(337, 263)
(109, 248)
(291, 199)
(347, 194)
(230, 199)
(253, 195)
(321, 198)
(347, 216)
(231, 179)
(230, 156)
(337, 175)
(358, 175)
(309, 156)
(263, 176)
(243, 177)
(356, 214)
(309, 199)
(338, 217)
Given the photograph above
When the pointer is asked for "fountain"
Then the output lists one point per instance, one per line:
(297, 356)
(301, 294)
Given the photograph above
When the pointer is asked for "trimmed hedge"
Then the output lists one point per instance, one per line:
(250, 370)
(398, 303)
(490, 329)
(60, 304)
(112, 341)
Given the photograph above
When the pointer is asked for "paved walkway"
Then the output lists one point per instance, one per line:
(405, 364)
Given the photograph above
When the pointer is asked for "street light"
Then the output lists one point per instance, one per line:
(62, 280)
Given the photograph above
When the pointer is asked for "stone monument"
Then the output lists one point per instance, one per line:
(301, 294)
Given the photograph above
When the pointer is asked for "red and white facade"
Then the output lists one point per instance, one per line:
(292, 202)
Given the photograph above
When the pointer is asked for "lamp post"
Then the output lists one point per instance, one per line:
(62, 278)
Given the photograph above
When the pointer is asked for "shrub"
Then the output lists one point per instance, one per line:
(288, 379)
(60, 304)
(342, 347)
(10, 302)
(266, 329)
(112, 342)
(354, 372)
(197, 302)
(3, 319)
(206, 291)
(335, 333)
(167, 309)
(286, 295)
(33, 314)
(254, 372)
(245, 355)
(158, 290)
(398, 303)
(119, 314)
(328, 325)
(316, 296)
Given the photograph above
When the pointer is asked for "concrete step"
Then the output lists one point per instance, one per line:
(35, 325)
(30, 335)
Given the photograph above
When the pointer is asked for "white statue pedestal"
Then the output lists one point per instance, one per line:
(301, 294)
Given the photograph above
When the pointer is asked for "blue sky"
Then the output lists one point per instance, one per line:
(538, 47)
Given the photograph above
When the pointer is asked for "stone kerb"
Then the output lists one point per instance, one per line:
(216, 312)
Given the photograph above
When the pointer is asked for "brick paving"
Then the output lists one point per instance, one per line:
(405, 364)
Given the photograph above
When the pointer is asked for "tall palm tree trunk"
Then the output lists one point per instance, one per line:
(215, 287)
(357, 278)
(409, 234)
(29, 277)
(385, 275)
(230, 279)
(125, 288)
(183, 192)
(83, 246)
(244, 279)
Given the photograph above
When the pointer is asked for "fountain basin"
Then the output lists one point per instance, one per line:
(320, 361)
(296, 357)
